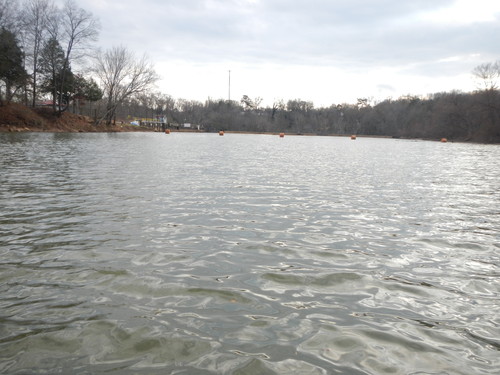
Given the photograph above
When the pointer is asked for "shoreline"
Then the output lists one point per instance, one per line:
(125, 128)
(17, 118)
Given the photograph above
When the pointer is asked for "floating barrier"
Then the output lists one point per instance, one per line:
(353, 137)
(444, 140)
(282, 135)
(221, 133)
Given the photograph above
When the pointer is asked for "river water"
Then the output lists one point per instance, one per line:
(146, 253)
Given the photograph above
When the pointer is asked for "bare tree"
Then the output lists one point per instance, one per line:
(166, 103)
(79, 29)
(250, 103)
(488, 75)
(35, 21)
(122, 76)
(9, 14)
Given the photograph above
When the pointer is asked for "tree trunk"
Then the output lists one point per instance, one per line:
(8, 91)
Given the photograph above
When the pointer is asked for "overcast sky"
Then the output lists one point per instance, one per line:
(324, 51)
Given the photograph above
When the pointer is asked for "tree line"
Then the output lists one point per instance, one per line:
(45, 49)
(41, 48)
(454, 115)
(40, 42)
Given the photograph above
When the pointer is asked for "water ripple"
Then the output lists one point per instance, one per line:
(243, 254)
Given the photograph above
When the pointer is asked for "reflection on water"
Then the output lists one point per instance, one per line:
(247, 254)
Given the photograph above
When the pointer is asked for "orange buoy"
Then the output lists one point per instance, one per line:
(444, 140)
(282, 135)
(167, 131)
(221, 133)
(353, 137)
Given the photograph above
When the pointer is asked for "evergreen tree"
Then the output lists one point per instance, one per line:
(85, 90)
(51, 67)
(12, 73)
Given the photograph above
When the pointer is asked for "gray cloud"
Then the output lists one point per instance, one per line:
(351, 35)
(319, 30)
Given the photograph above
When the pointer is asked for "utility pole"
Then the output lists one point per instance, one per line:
(229, 94)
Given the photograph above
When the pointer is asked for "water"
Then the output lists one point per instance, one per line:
(248, 254)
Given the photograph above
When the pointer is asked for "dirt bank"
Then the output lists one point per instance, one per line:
(19, 118)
